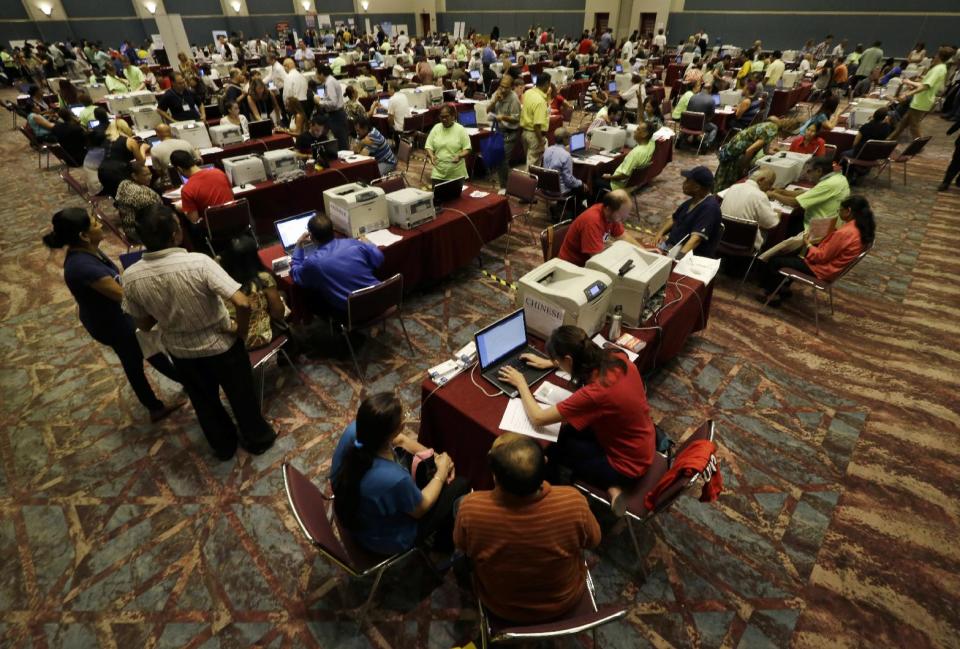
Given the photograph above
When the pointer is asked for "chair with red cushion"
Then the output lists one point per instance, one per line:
(370, 306)
(694, 124)
(226, 221)
(549, 189)
(738, 240)
(551, 239)
(260, 356)
(392, 182)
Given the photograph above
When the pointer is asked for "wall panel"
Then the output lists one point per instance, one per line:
(194, 7)
(93, 9)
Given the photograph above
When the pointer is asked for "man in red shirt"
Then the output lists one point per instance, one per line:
(589, 232)
(586, 45)
(205, 187)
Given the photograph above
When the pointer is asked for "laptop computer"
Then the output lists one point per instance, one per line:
(321, 92)
(184, 179)
(475, 75)
(260, 128)
(716, 100)
(447, 191)
(290, 229)
(612, 86)
(374, 64)
(501, 344)
(619, 67)
(325, 151)
(468, 118)
(578, 145)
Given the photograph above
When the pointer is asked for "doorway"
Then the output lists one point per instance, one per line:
(600, 22)
(648, 24)
(425, 25)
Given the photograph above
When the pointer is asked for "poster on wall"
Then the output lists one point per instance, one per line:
(366, 24)
(283, 29)
(324, 20)
(218, 33)
(311, 20)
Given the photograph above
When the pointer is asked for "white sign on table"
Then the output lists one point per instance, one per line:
(542, 317)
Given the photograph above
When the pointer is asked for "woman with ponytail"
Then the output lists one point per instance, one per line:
(828, 258)
(608, 438)
(94, 282)
(377, 499)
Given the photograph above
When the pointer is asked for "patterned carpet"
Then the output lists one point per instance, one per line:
(837, 528)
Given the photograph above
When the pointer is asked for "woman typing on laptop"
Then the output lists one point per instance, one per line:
(607, 437)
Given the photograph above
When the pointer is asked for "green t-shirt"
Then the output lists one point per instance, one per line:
(824, 198)
(639, 157)
(134, 77)
(682, 104)
(933, 80)
(445, 144)
(440, 70)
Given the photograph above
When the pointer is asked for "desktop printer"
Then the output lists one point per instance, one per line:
(119, 103)
(560, 75)
(608, 138)
(244, 169)
(789, 78)
(410, 207)
(145, 117)
(497, 68)
(631, 135)
(788, 166)
(193, 132)
(97, 91)
(356, 209)
(634, 275)
(225, 133)
(279, 162)
(424, 96)
(143, 98)
(581, 293)
(730, 97)
(483, 117)
(369, 84)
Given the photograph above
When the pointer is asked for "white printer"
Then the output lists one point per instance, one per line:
(97, 91)
(356, 209)
(608, 138)
(410, 207)
(225, 133)
(789, 56)
(497, 68)
(789, 78)
(634, 274)
(582, 294)
(631, 135)
(483, 117)
(788, 166)
(143, 98)
(389, 60)
(730, 97)
(145, 117)
(119, 103)
(624, 81)
(193, 132)
(369, 84)
(559, 75)
(424, 96)
(244, 169)
(687, 58)
(279, 162)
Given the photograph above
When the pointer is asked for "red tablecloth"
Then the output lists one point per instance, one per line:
(260, 145)
(460, 420)
(673, 72)
(721, 120)
(434, 250)
(590, 174)
(784, 100)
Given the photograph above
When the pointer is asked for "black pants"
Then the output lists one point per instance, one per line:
(771, 277)
(954, 167)
(440, 519)
(581, 453)
(124, 343)
(202, 379)
(337, 123)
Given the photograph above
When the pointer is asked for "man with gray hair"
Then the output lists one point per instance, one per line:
(557, 156)
(747, 201)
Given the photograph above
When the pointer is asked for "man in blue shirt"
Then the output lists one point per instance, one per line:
(698, 217)
(489, 55)
(372, 143)
(557, 157)
(337, 267)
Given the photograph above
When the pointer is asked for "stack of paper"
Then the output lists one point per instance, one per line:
(383, 238)
(699, 268)
(212, 149)
(663, 133)
(515, 421)
(478, 194)
(551, 394)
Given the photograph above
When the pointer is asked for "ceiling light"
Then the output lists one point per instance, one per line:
(306, 5)
(236, 5)
(365, 4)
(46, 8)
(151, 7)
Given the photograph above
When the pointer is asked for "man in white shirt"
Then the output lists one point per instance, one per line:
(332, 104)
(160, 152)
(747, 201)
(839, 49)
(277, 74)
(626, 52)
(635, 94)
(402, 41)
(295, 84)
(305, 56)
(660, 40)
(398, 108)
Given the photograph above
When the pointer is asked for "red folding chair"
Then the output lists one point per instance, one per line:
(551, 239)
(226, 221)
(694, 124)
(370, 306)
(875, 154)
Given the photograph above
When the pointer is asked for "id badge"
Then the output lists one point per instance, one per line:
(186, 108)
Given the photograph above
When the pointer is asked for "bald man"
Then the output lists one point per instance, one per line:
(160, 152)
(747, 201)
(505, 108)
(599, 223)
(295, 84)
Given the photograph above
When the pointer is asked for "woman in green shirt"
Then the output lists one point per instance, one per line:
(923, 95)
(448, 145)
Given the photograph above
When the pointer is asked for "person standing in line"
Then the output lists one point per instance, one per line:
(183, 292)
(535, 119)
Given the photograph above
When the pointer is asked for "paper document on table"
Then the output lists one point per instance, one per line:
(478, 194)
(560, 374)
(780, 207)
(383, 238)
(796, 188)
(212, 149)
(173, 194)
(663, 133)
(551, 394)
(471, 130)
(700, 268)
(515, 421)
(603, 343)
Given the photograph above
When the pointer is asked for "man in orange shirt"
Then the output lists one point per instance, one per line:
(526, 538)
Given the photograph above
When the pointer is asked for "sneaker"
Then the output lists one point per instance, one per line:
(165, 411)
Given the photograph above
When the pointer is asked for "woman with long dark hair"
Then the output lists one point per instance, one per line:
(241, 262)
(608, 437)
(94, 281)
(826, 259)
(376, 496)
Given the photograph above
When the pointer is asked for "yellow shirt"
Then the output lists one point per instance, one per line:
(534, 111)
(744, 70)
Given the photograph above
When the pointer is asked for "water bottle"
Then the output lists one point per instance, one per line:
(615, 322)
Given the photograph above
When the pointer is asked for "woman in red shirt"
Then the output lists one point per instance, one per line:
(608, 438)
(810, 142)
(828, 258)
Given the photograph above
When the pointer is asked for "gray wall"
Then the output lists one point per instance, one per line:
(512, 24)
(898, 33)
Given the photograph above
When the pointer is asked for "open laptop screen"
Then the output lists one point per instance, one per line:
(501, 338)
(290, 229)
(467, 118)
(578, 142)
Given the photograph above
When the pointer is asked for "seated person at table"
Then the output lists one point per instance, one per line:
(821, 200)
(376, 498)
(180, 103)
(315, 134)
(557, 157)
(651, 113)
(828, 258)
(699, 217)
(747, 201)
(689, 89)
(448, 145)
(878, 128)
(608, 438)
(160, 152)
(241, 262)
(41, 126)
(336, 267)
(522, 577)
(204, 187)
(639, 157)
(613, 116)
(633, 95)
(746, 111)
(702, 102)
(372, 143)
(810, 142)
(589, 232)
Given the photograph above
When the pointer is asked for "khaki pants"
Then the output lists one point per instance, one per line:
(534, 146)
(912, 121)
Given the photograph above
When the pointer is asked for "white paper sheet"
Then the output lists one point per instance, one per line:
(700, 268)
(515, 420)
(212, 149)
(551, 394)
(478, 194)
(383, 238)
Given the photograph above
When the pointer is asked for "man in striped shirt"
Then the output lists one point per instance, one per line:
(372, 143)
(526, 538)
(183, 292)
